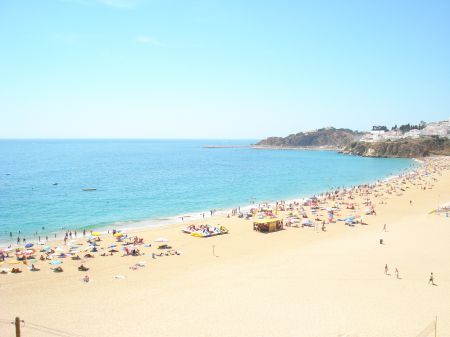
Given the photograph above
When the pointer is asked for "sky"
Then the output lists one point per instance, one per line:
(219, 69)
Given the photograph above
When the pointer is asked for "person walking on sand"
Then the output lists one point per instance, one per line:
(397, 276)
(384, 228)
(431, 280)
(386, 269)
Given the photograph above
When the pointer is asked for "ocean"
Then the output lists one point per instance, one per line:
(152, 182)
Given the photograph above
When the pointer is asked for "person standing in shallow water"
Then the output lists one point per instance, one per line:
(386, 269)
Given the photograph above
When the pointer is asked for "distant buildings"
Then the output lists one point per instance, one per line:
(441, 129)
(414, 133)
(380, 135)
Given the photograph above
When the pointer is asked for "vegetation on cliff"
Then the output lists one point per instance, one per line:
(328, 137)
(407, 148)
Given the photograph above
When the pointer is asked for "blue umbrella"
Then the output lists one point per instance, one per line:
(28, 245)
(56, 262)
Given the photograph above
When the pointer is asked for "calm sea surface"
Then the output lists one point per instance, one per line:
(157, 179)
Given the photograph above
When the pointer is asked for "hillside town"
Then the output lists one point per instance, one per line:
(381, 133)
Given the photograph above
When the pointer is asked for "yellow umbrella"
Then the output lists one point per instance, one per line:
(118, 235)
(96, 233)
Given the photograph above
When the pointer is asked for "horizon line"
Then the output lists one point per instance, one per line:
(110, 138)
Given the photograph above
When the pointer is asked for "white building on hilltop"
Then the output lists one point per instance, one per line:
(441, 129)
(414, 133)
(380, 135)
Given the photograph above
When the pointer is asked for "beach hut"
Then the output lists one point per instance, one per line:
(268, 225)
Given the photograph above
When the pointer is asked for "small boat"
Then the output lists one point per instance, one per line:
(55, 184)
(89, 189)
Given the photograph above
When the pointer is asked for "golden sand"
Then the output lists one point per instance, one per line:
(295, 282)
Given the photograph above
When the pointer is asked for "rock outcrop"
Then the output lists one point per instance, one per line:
(403, 148)
(326, 137)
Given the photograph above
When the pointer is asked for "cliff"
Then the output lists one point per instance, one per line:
(403, 148)
(327, 137)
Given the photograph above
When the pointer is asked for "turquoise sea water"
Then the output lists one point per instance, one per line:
(157, 179)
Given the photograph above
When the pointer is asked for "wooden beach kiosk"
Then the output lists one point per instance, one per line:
(268, 225)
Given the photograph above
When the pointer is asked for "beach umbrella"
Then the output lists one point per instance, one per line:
(29, 245)
(55, 262)
(29, 251)
(118, 235)
(96, 233)
(112, 246)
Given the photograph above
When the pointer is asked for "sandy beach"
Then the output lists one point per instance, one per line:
(294, 282)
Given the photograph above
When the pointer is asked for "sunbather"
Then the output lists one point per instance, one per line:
(83, 268)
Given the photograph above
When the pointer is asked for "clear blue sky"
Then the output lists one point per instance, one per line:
(219, 69)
